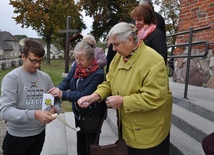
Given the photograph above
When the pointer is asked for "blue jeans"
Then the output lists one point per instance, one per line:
(23, 145)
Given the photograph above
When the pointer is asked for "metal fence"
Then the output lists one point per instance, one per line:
(189, 44)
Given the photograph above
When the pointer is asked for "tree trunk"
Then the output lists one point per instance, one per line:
(48, 42)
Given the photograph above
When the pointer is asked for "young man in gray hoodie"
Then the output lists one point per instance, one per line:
(21, 103)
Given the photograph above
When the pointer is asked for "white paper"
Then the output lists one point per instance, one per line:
(47, 101)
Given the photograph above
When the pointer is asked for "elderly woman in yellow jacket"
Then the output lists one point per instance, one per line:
(138, 84)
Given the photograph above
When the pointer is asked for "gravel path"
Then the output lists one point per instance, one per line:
(2, 134)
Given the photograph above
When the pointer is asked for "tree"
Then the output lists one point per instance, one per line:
(47, 17)
(20, 37)
(170, 9)
(107, 13)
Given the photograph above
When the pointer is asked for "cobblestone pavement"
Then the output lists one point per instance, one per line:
(2, 134)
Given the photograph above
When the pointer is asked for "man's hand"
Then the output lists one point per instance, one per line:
(52, 110)
(43, 116)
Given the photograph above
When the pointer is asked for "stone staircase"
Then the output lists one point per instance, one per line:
(190, 124)
(192, 120)
(61, 140)
(187, 130)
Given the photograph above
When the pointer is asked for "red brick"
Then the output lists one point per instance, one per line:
(190, 18)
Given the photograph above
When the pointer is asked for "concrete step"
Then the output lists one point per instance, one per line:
(203, 108)
(55, 141)
(106, 137)
(183, 144)
(199, 99)
(191, 123)
(61, 140)
(180, 142)
(70, 134)
(112, 120)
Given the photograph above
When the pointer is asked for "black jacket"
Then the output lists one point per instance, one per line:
(161, 23)
(157, 41)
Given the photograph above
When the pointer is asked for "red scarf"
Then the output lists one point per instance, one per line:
(84, 72)
(145, 31)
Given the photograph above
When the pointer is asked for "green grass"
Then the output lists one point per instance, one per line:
(66, 106)
(4, 72)
(55, 70)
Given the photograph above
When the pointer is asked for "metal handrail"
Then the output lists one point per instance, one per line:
(189, 56)
(192, 56)
(186, 32)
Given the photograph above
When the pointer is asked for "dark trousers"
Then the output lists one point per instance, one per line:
(208, 144)
(161, 149)
(23, 145)
(84, 140)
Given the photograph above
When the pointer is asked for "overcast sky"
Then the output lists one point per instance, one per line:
(8, 24)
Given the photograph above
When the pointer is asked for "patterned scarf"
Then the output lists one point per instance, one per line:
(145, 31)
(125, 59)
(84, 72)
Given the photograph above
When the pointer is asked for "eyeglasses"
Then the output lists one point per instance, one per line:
(36, 61)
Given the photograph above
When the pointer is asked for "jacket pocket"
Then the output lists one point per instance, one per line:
(147, 132)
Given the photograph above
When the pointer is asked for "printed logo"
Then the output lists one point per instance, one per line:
(33, 85)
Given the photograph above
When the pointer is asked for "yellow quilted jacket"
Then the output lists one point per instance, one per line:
(147, 100)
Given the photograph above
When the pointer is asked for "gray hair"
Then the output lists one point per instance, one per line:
(123, 30)
(84, 47)
(142, 2)
(90, 40)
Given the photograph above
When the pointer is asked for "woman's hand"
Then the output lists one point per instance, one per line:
(56, 92)
(86, 101)
(115, 101)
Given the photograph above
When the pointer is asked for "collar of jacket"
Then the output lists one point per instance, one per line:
(127, 65)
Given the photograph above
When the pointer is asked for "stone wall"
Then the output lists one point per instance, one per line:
(196, 14)
(5, 64)
(201, 71)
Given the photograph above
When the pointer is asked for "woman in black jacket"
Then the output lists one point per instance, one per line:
(146, 24)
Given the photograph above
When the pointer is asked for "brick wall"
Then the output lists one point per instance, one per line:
(196, 14)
